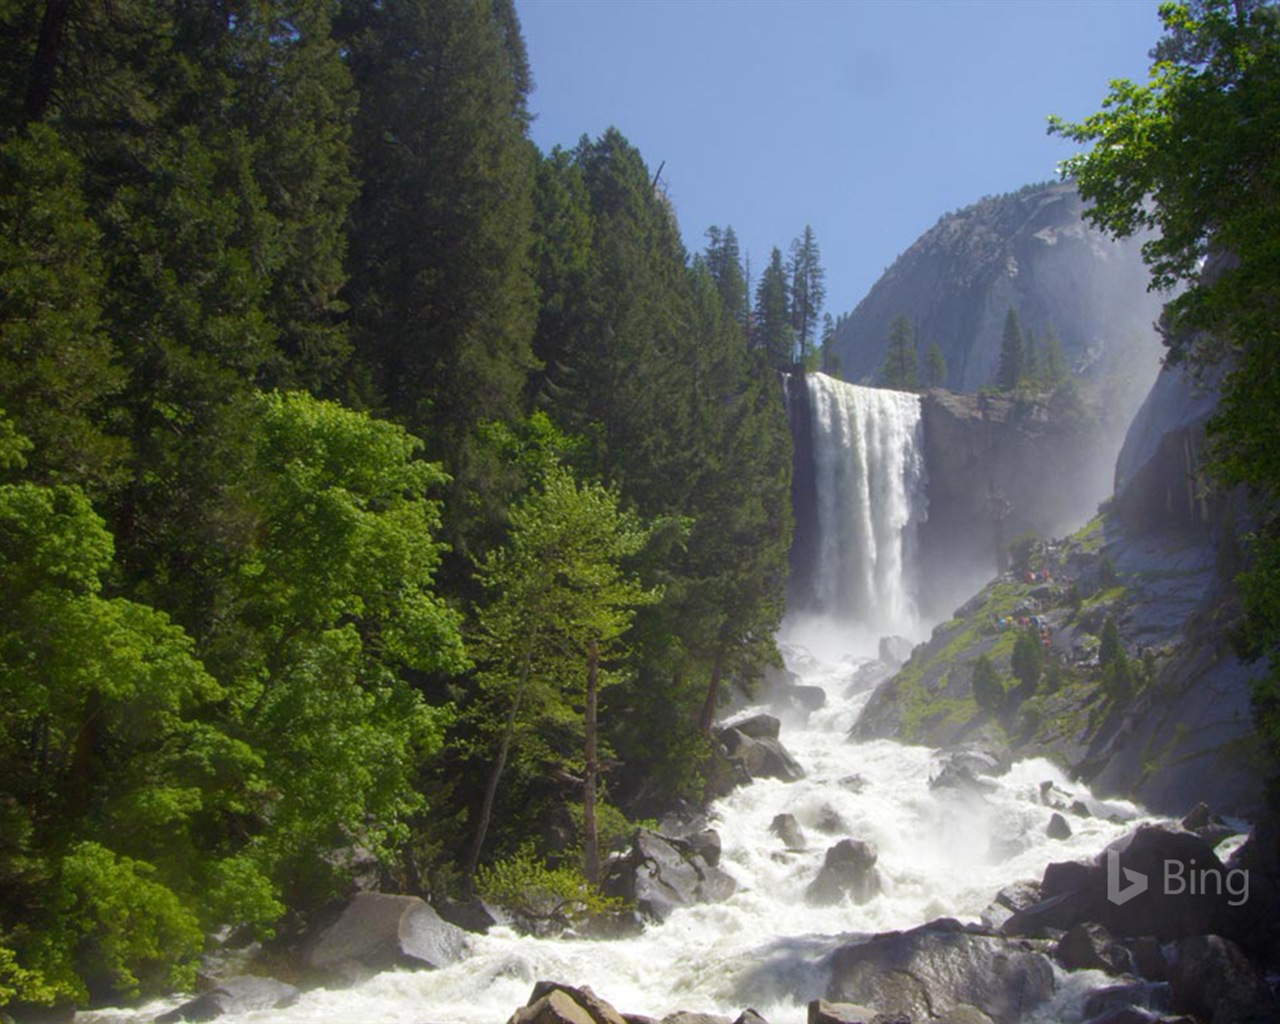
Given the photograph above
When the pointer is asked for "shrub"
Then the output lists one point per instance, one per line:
(988, 691)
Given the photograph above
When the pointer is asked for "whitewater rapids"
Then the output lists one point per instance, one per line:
(941, 854)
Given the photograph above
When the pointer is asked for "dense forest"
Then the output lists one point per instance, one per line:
(375, 488)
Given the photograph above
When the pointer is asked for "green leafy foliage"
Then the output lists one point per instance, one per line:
(1191, 154)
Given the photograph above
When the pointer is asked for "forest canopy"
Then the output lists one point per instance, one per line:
(310, 366)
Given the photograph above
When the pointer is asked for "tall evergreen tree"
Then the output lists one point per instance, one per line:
(901, 367)
(935, 366)
(441, 300)
(808, 290)
(775, 335)
(1032, 365)
(724, 260)
(1009, 371)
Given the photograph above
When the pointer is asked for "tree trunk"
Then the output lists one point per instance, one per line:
(44, 65)
(591, 837)
(499, 763)
(712, 702)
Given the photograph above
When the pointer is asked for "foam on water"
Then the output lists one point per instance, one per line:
(941, 853)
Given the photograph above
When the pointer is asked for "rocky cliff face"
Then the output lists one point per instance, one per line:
(1030, 250)
(1159, 563)
(999, 466)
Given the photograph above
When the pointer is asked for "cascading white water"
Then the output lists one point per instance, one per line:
(867, 453)
(940, 853)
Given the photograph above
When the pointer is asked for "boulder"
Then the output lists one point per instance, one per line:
(597, 1010)
(1009, 900)
(1149, 998)
(706, 844)
(1076, 893)
(749, 1016)
(806, 699)
(1213, 980)
(962, 778)
(823, 1012)
(760, 757)
(895, 650)
(377, 931)
(830, 822)
(1058, 827)
(786, 828)
(1090, 947)
(1052, 796)
(686, 1017)
(472, 915)
(939, 967)
(239, 995)
(849, 869)
(962, 1015)
(759, 727)
(556, 1007)
(660, 873)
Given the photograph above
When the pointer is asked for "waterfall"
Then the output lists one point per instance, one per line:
(858, 490)
(859, 495)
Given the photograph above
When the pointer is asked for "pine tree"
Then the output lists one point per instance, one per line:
(1053, 362)
(935, 366)
(1009, 372)
(442, 304)
(724, 260)
(808, 290)
(831, 364)
(1032, 363)
(773, 321)
(901, 370)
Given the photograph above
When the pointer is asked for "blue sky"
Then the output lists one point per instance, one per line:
(868, 119)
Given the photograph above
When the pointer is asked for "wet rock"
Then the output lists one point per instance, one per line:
(1052, 796)
(960, 777)
(823, 1012)
(1009, 900)
(750, 1016)
(1152, 999)
(939, 967)
(556, 1007)
(849, 869)
(806, 699)
(895, 650)
(1080, 809)
(706, 844)
(1213, 980)
(759, 727)
(853, 783)
(963, 1015)
(1075, 893)
(1058, 827)
(239, 996)
(598, 1010)
(980, 758)
(660, 873)
(830, 821)
(685, 1017)
(472, 915)
(1090, 947)
(760, 758)
(376, 932)
(1148, 958)
(786, 828)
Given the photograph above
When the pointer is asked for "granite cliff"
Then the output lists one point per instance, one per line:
(1033, 251)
